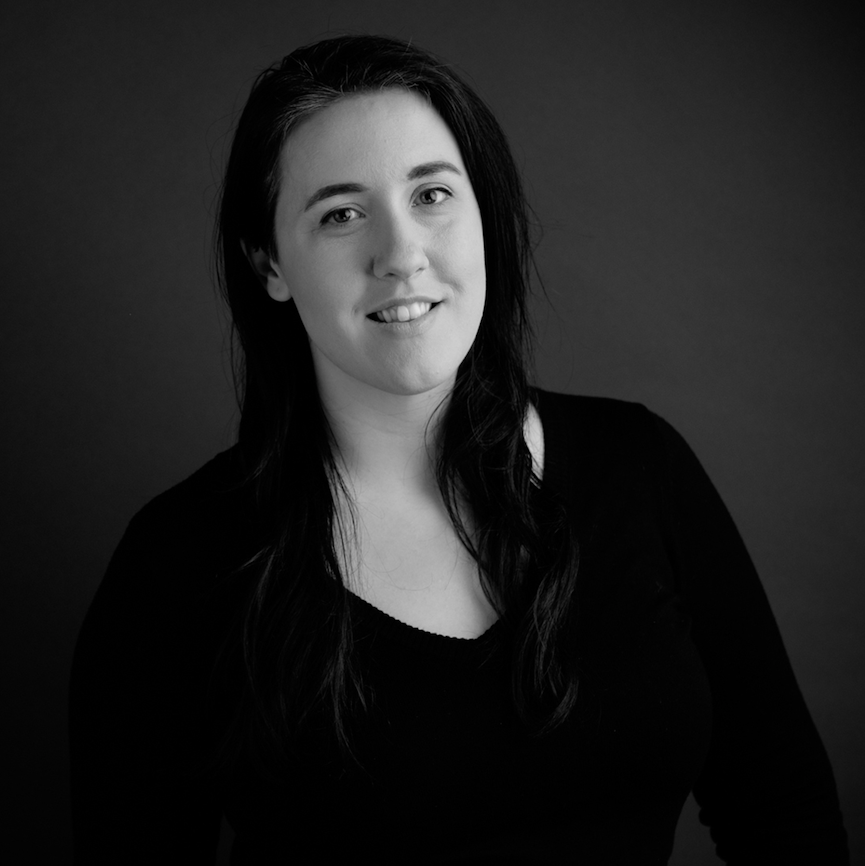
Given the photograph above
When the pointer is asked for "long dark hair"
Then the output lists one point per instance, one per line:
(296, 632)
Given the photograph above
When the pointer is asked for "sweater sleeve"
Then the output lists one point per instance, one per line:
(139, 795)
(767, 790)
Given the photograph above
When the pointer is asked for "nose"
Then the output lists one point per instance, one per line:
(399, 252)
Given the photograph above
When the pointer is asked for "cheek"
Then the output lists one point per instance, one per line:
(318, 286)
(472, 260)
(320, 313)
(463, 253)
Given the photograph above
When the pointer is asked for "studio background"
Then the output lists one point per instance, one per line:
(698, 172)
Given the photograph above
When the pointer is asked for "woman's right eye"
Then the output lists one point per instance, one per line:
(340, 216)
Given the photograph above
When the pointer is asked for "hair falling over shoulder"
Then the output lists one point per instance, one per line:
(294, 638)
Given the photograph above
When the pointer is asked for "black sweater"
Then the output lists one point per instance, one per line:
(685, 685)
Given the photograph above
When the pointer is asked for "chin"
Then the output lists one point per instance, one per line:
(415, 389)
(414, 386)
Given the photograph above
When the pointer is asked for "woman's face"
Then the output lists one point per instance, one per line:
(379, 242)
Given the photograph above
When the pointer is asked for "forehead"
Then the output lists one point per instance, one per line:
(369, 138)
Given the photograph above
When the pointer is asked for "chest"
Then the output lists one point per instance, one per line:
(411, 565)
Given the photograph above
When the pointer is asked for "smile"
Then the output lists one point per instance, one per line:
(403, 312)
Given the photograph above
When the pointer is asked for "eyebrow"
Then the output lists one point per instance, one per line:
(419, 171)
(428, 168)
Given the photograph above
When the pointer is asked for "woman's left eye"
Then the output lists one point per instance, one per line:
(434, 195)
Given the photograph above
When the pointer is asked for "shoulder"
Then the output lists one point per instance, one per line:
(163, 605)
(592, 442)
(212, 486)
(206, 502)
(180, 540)
(594, 424)
(598, 412)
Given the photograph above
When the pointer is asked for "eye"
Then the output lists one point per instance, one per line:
(340, 216)
(434, 195)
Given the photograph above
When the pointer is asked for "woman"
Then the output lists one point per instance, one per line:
(422, 612)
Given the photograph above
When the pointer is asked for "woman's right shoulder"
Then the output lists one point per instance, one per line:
(185, 537)
(156, 620)
(214, 487)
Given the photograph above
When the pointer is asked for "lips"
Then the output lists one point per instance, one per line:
(404, 311)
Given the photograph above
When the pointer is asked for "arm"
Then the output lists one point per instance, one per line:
(136, 734)
(767, 790)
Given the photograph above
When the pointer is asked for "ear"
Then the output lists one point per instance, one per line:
(268, 272)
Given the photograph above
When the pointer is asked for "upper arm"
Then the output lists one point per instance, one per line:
(767, 790)
(139, 790)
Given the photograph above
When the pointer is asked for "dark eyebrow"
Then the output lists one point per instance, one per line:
(428, 168)
(332, 189)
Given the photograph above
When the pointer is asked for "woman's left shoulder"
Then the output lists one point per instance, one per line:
(592, 440)
(596, 422)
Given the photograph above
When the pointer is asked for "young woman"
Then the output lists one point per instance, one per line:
(423, 612)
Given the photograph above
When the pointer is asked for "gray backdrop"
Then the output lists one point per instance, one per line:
(698, 172)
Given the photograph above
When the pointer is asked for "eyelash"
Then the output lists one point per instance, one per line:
(328, 218)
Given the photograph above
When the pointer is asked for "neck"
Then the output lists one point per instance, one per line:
(386, 441)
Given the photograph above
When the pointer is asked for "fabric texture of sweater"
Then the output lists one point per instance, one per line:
(684, 685)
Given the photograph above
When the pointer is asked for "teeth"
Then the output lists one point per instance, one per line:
(404, 313)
